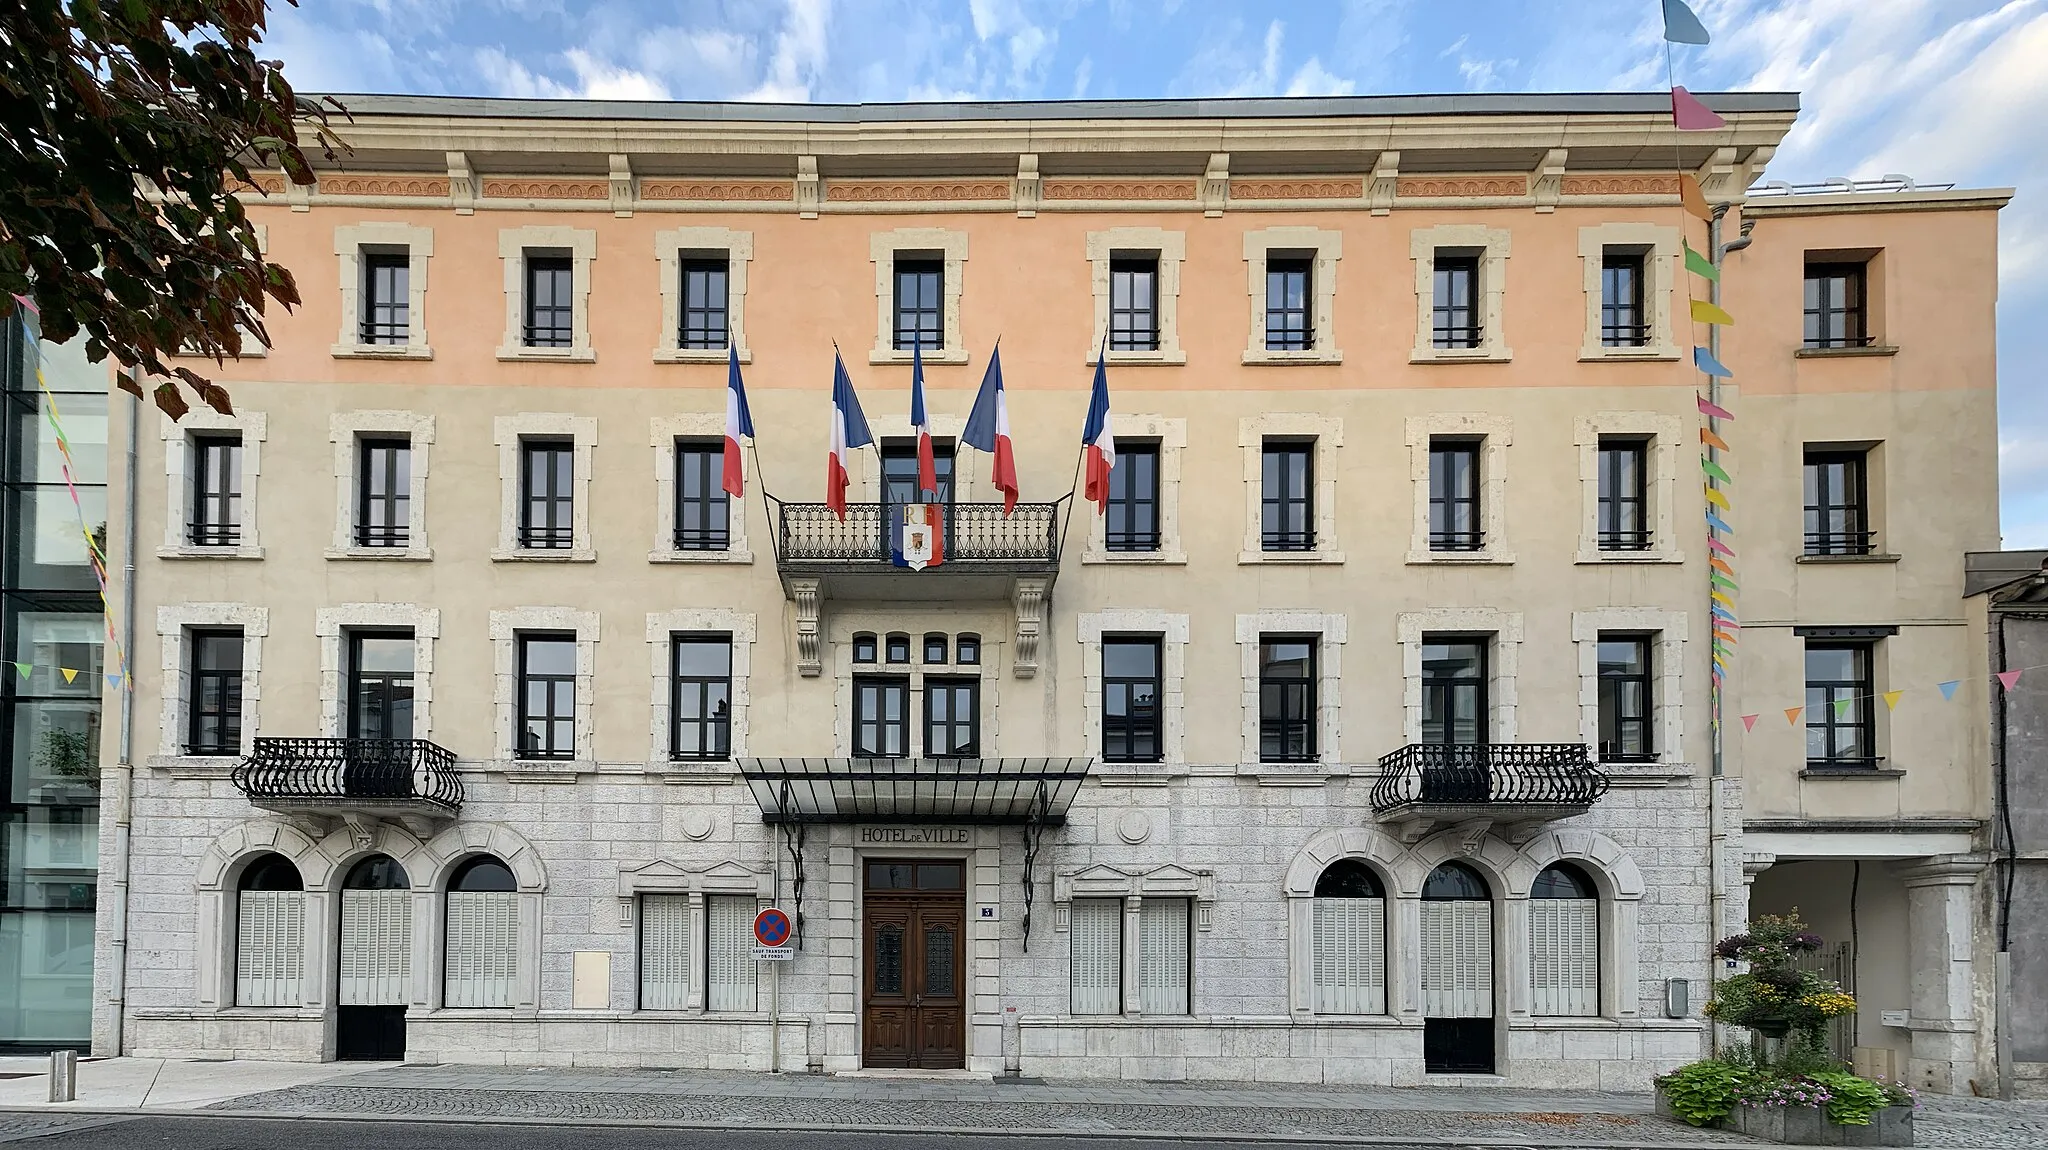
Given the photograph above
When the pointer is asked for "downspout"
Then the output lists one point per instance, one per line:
(2002, 833)
(124, 777)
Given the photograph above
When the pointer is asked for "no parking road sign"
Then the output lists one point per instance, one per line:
(772, 932)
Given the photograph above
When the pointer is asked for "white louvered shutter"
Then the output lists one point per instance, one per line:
(376, 947)
(1457, 959)
(1163, 956)
(731, 954)
(270, 947)
(1348, 945)
(1095, 931)
(664, 951)
(1564, 956)
(483, 947)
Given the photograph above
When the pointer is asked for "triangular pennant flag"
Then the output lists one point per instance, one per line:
(1891, 700)
(1722, 598)
(113, 679)
(1792, 715)
(1692, 116)
(25, 669)
(1681, 26)
(2007, 679)
(1722, 615)
(1948, 689)
(1842, 706)
(1709, 407)
(1720, 580)
(1725, 637)
(1716, 545)
(1705, 361)
(1704, 312)
(1714, 470)
(1700, 265)
(1720, 564)
(69, 673)
(1749, 722)
(1708, 437)
(1715, 497)
(1719, 524)
(1693, 198)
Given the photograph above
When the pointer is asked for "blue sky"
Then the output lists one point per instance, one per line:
(1942, 90)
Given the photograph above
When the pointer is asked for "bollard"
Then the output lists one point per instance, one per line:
(63, 1075)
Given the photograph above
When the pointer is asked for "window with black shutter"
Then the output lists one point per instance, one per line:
(881, 717)
(1835, 313)
(1454, 701)
(1625, 706)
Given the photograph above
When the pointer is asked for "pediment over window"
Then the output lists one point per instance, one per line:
(1167, 880)
(663, 876)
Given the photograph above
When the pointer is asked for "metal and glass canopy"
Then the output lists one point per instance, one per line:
(982, 792)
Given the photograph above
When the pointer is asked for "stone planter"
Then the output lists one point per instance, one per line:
(1809, 1125)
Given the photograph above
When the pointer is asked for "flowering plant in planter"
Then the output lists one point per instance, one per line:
(1774, 997)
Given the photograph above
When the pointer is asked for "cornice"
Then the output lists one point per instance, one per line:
(1838, 203)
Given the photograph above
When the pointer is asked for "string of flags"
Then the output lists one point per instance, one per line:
(1844, 705)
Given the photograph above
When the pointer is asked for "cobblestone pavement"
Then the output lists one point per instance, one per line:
(20, 1127)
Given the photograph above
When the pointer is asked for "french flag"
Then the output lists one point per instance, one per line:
(849, 430)
(738, 422)
(927, 466)
(1097, 442)
(988, 429)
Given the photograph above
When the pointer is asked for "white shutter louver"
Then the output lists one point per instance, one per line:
(1564, 956)
(1457, 959)
(270, 947)
(483, 947)
(731, 954)
(376, 947)
(664, 951)
(1348, 944)
(1094, 930)
(1163, 956)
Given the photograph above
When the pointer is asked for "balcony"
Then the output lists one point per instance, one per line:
(410, 779)
(1424, 785)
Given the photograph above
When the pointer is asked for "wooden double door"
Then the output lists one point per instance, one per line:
(913, 961)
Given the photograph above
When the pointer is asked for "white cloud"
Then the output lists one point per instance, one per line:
(1312, 79)
(800, 54)
(1083, 72)
(508, 77)
(600, 80)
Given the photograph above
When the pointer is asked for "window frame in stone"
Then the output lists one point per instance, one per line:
(1128, 729)
(558, 531)
(214, 511)
(225, 718)
(713, 735)
(1134, 491)
(1622, 466)
(1825, 719)
(1617, 716)
(1291, 461)
(559, 685)
(1445, 535)
(1289, 704)
(701, 462)
(395, 501)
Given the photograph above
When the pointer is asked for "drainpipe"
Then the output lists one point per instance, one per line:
(124, 788)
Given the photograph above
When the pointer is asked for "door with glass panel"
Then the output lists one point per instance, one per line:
(1454, 716)
(378, 763)
(914, 984)
(899, 487)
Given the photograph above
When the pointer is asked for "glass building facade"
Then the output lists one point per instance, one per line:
(53, 632)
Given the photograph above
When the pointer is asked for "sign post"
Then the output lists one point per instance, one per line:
(772, 931)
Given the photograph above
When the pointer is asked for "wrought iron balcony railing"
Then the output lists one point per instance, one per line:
(971, 533)
(351, 774)
(1507, 777)
(1840, 542)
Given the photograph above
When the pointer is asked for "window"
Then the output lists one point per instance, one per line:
(664, 951)
(1624, 496)
(897, 647)
(1624, 699)
(1454, 523)
(1095, 935)
(270, 933)
(384, 493)
(550, 301)
(1835, 314)
(935, 647)
(216, 519)
(1622, 322)
(387, 298)
(1286, 497)
(1840, 722)
(547, 697)
(705, 287)
(1163, 956)
(1837, 516)
(701, 704)
(1564, 943)
(952, 718)
(729, 953)
(920, 303)
(1347, 940)
(881, 718)
(1287, 703)
(864, 647)
(703, 511)
(216, 703)
(967, 649)
(1454, 310)
(1133, 513)
(1134, 303)
(483, 934)
(1454, 700)
(380, 699)
(548, 495)
(1132, 694)
(1290, 303)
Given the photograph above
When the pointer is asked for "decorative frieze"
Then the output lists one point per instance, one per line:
(1162, 190)
(1460, 187)
(1350, 188)
(528, 189)
(719, 191)
(434, 187)
(915, 191)
(1620, 185)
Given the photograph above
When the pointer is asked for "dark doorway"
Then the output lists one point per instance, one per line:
(1457, 971)
(915, 917)
(375, 961)
(379, 754)
(1457, 1045)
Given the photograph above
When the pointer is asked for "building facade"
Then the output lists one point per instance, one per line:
(1363, 737)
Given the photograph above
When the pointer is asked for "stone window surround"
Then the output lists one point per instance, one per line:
(1664, 434)
(1171, 249)
(670, 247)
(350, 244)
(506, 627)
(1669, 631)
(727, 878)
(662, 627)
(1503, 662)
(844, 670)
(1171, 435)
(1172, 631)
(1496, 433)
(1493, 246)
(178, 469)
(1132, 886)
(510, 432)
(1328, 433)
(1332, 631)
(663, 431)
(1660, 249)
(347, 430)
(513, 246)
(332, 625)
(1328, 248)
(174, 623)
(883, 248)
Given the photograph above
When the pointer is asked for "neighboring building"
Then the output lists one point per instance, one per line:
(1364, 738)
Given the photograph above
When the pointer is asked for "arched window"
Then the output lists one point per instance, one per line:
(1564, 942)
(483, 934)
(376, 934)
(1348, 931)
(270, 933)
(1457, 971)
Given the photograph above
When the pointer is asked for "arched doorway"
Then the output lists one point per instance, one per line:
(1348, 940)
(375, 956)
(482, 935)
(270, 933)
(1564, 943)
(1457, 971)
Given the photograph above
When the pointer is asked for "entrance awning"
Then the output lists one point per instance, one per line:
(982, 792)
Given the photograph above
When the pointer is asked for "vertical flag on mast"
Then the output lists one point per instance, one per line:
(849, 430)
(1097, 441)
(738, 422)
(988, 429)
(927, 466)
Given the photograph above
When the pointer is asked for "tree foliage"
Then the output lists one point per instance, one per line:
(127, 128)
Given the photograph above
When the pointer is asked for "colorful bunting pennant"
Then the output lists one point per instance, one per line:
(69, 673)
(1714, 470)
(2008, 679)
(1720, 580)
(1722, 598)
(1700, 265)
(1705, 361)
(1709, 407)
(1693, 198)
(1948, 689)
(1708, 437)
(1719, 564)
(1891, 700)
(1692, 116)
(1681, 26)
(1749, 722)
(1843, 704)
(1716, 545)
(1715, 497)
(1792, 715)
(25, 669)
(1704, 312)
(1719, 524)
